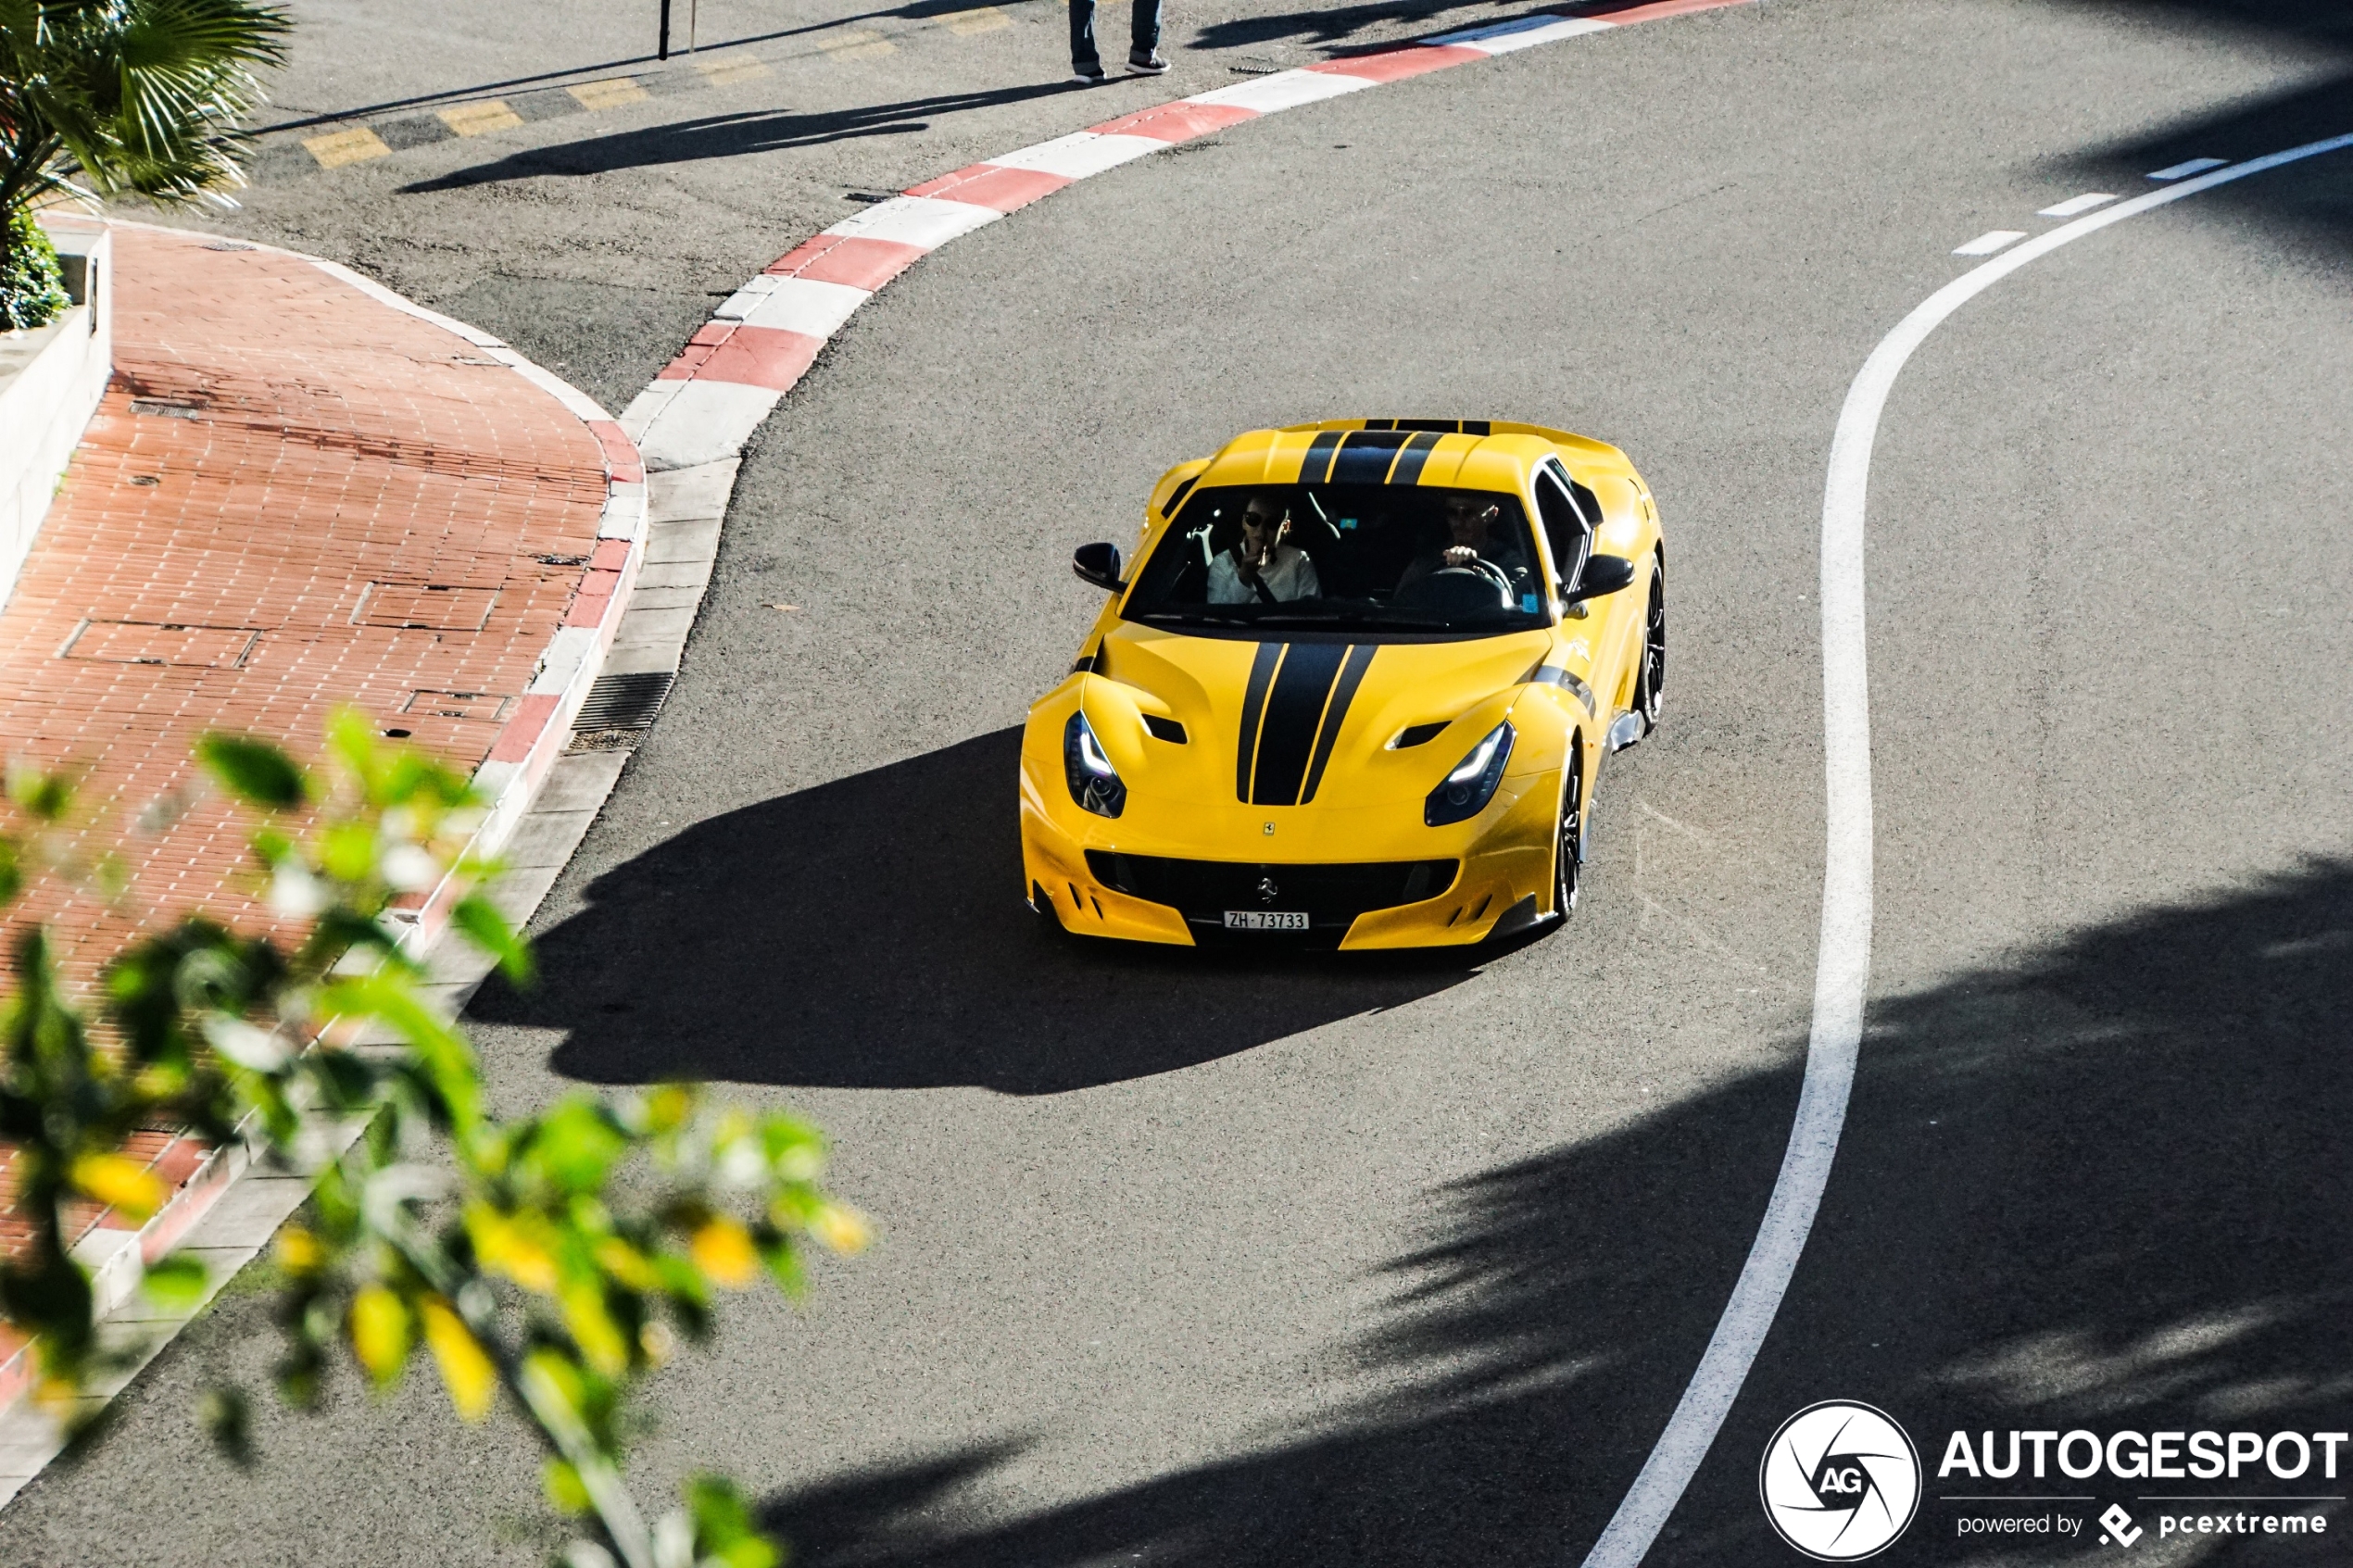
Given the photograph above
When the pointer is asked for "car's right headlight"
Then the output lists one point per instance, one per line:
(1094, 783)
(1466, 792)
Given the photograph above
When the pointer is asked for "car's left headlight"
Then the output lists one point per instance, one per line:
(1464, 792)
(1094, 783)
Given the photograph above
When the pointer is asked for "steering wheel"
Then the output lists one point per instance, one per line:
(1488, 570)
(1473, 588)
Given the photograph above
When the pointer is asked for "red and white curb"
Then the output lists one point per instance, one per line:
(705, 405)
(227, 1207)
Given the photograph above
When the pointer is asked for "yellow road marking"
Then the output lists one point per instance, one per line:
(474, 120)
(981, 19)
(859, 46)
(610, 94)
(339, 147)
(725, 68)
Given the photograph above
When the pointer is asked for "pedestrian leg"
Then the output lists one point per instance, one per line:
(1143, 38)
(1084, 59)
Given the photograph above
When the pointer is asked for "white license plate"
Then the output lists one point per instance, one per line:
(1265, 920)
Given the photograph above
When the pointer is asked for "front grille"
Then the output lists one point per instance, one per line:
(1332, 895)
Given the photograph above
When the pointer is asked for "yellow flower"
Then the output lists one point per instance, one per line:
(506, 1249)
(380, 1332)
(840, 1229)
(723, 1250)
(466, 1370)
(298, 1250)
(118, 1181)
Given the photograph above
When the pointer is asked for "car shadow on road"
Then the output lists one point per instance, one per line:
(730, 135)
(869, 933)
(2100, 1185)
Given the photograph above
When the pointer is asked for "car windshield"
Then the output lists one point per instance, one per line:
(1346, 558)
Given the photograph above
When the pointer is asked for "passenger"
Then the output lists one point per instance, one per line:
(1468, 523)
(1261, 569)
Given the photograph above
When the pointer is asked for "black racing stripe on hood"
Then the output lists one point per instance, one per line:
(1317, 468)
(1262, 675)
(1365, 454)
(1351, 674)
(1409, 461)
(1294, 708)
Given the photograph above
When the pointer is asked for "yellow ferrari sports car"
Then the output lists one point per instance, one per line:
(1354, 693)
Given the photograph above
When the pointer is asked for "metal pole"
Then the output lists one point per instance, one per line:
(663, 52)
(694, 12)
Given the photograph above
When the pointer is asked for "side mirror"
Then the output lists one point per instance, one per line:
(1604, 574)
(1098, 564)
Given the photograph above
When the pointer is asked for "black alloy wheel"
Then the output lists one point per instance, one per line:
(1650, 679)
(1569, 845)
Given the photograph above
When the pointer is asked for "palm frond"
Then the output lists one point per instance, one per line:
(139, 97)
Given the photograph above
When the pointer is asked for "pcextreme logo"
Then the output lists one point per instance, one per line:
(1840, 1481)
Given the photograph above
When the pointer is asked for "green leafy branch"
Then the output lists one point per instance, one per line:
(504, 1249)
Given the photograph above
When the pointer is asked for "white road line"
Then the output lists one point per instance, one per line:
(2075, 206)
(2182, 170)
(1842, 965)
(1990, 241)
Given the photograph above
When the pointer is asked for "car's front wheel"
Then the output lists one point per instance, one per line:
(1568, 847)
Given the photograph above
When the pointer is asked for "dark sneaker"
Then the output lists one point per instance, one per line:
(1090, 73)
(1147, 64)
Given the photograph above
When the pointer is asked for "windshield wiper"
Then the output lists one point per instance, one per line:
(1360, 618)
(1190, 618)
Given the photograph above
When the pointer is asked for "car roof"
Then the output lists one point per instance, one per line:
(1454, 454)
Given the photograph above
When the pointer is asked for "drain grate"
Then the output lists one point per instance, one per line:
(623, 702)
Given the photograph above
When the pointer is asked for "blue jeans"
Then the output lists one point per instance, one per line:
(1143, 31)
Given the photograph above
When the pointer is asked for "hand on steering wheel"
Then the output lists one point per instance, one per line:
(1493, 572)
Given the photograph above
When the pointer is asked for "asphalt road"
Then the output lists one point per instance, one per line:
(1228, 1262)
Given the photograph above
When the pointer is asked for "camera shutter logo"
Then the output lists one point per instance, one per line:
(1840, 1481)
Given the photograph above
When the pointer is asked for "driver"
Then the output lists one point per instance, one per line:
(1469, 525)
(1261, 569)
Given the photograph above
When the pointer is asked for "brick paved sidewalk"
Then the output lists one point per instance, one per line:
(294, 496)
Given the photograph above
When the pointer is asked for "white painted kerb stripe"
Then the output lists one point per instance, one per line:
(1525, 33)
(792, 304)
(922, 221)
(1284, 89)
(1842, 967)
(1081, 154)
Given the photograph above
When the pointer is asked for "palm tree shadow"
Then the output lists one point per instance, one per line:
(869, 933)
(2098, 1186)
(2312, 201)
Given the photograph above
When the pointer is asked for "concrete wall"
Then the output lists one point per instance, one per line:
(50, 384)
